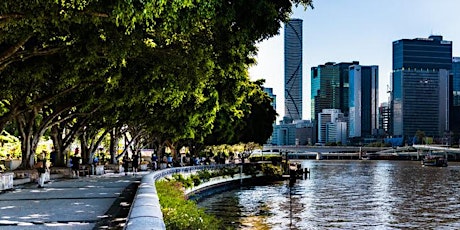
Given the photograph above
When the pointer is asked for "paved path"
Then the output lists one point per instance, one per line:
(63, 203)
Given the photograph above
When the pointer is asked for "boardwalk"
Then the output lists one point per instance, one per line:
(63, 204)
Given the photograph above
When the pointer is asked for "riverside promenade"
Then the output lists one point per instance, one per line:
(83, 203)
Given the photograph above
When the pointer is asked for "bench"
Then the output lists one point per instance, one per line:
(84, 170)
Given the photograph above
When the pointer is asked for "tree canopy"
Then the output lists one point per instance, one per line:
(177, 69)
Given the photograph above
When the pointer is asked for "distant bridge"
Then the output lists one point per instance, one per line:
(438, 148)
(415, 152)
(321, 149)
(322, 152)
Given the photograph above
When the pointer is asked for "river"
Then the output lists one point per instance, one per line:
(348, 195)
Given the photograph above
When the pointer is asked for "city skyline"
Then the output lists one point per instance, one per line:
(332, 35)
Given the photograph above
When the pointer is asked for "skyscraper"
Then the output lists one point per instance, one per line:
(363, 100)
(293, 69)
(455, 99)
(329, 87)
(326, 117)
(269, 91)
(384, 118)
(420, 86)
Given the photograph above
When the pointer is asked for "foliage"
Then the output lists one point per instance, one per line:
(267, 157)
(250, 117)
(229, 171)
(177, 69)
(179, 213)
(187, 182)
(250, 169)
(9, 144)
(205, 175)
(272, 170)
(196, 179)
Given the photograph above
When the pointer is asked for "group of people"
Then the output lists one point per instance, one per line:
(134, 163)
(75, 162)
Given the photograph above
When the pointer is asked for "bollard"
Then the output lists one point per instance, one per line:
(306, 173)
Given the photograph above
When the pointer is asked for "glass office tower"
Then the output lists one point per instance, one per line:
(420, 86)
(293, 69)
(329, 87)
(455, 99)
(363, 101)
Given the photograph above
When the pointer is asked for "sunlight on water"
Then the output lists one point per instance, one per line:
(348, 195)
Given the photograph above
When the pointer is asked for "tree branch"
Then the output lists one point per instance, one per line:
(8, 16)
(11, 56)
(11, 51)
(97, 14)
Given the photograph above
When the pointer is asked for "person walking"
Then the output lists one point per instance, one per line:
(154, 161)
(76, 164)
(42, 168)
(126, 161)
(135, 162)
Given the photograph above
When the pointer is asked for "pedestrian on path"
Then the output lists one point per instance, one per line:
(154, 161)
(42, 168)
(135, 162)
(126, 161)
(76, 164)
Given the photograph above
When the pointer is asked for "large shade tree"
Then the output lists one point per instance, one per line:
(188, 50)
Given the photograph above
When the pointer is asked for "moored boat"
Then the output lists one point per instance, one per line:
(434, 160)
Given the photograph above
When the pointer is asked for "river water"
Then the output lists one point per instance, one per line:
(348, 195)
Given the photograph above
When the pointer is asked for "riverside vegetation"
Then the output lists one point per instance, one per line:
(180, 213)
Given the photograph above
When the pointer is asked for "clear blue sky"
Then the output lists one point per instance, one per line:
(356, 30)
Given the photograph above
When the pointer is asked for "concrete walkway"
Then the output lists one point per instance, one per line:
(63, 203)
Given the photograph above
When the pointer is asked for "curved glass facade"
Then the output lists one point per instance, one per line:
(293, 69)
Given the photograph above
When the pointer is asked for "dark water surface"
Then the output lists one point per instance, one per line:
(348, 195)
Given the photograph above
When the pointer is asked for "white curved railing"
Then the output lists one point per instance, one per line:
(145, 211)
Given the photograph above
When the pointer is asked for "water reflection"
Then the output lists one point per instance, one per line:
(348, 195)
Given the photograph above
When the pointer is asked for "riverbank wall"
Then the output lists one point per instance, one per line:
(146, 209)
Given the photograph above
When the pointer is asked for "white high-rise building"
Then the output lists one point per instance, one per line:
(325, 117)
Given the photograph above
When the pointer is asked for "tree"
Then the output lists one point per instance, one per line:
(250, 120)
(170, 61)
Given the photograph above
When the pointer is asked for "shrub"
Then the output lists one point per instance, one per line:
(195, 179)
(249, 169)
(230, 171)
(205, 175)
(186, 182)
(179, 213)
(272, 170)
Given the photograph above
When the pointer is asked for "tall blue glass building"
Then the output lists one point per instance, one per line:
(363, 101)
(455, 99)
(329, 87)
(293, 69)
(420, 86)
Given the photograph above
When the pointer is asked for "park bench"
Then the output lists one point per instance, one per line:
(84, 170)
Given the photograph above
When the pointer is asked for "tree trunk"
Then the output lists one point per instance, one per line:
(25, 127)
(113, 145)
